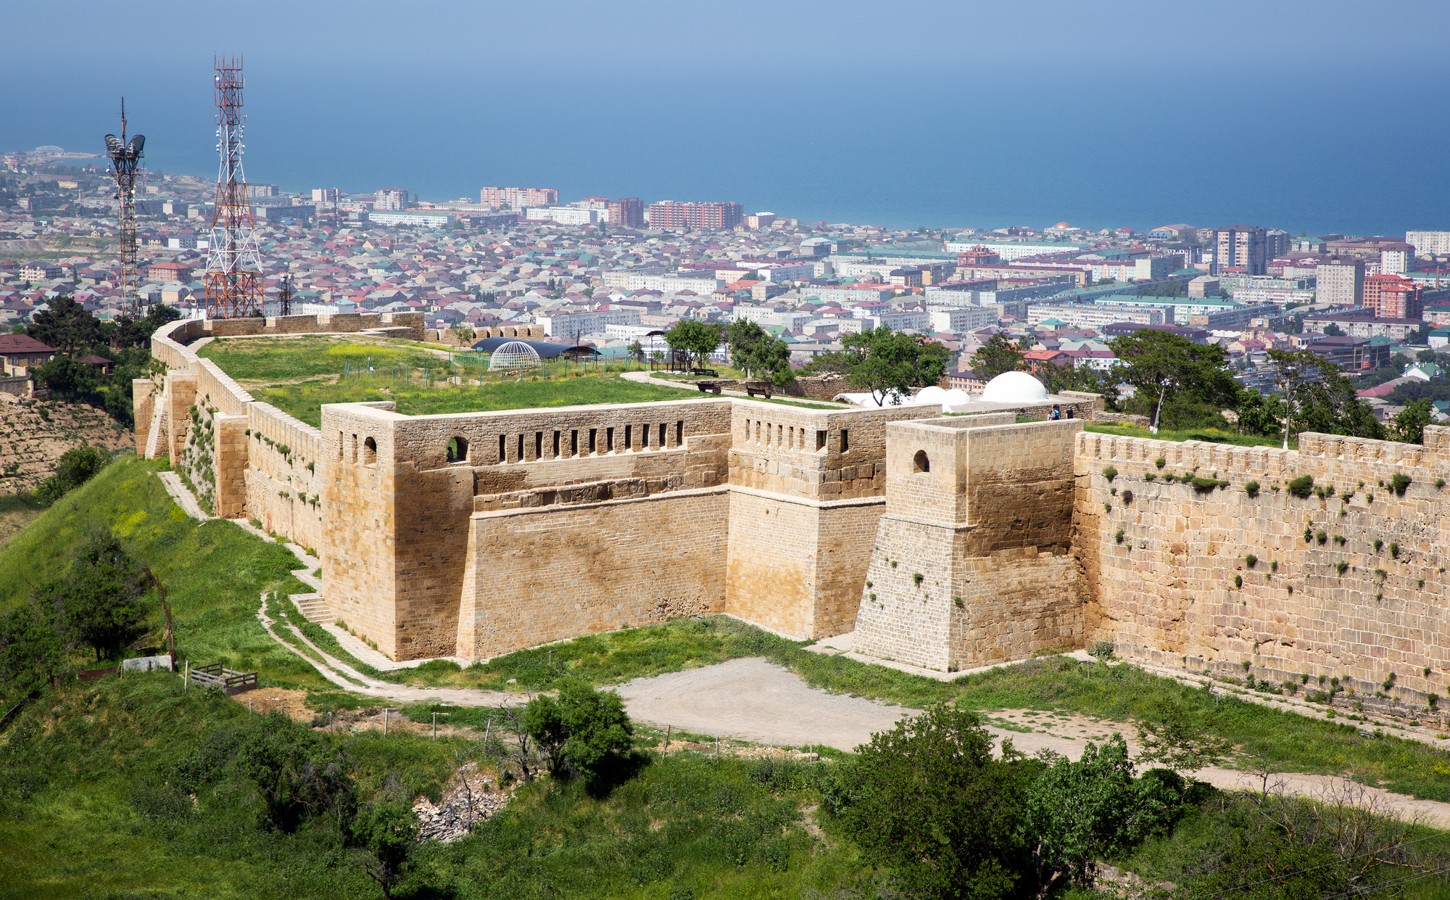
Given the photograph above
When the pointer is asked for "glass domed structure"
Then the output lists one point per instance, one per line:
(514, 357)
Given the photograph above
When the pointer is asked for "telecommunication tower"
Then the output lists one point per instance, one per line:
(233, 270)
(125, 159)
(284, 294)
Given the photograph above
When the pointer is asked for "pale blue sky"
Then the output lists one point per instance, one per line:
(1075, 102)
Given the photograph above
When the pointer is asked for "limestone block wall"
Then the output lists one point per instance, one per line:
(517, 462)
(1349, 584)
(972, 559)
(546, 574)
(358, 542)
(283, 487)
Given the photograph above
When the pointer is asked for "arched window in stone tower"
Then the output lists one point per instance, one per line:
(370, 452)
(920, 463)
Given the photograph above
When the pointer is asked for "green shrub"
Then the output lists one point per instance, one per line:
(1119, 536)
(1252, 489)
(1160, 462)
(1110, 473)
(1251, 560)
(1394, 550)
(1321, 536)
(1302, 486)
(1341, 567)
(1399, 483)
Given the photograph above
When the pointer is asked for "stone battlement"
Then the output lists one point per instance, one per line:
(944, 541)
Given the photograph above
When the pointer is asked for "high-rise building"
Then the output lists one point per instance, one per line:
(1340, 281)
(1429, 243)
(1393, 297)
(325, 195)
(1277, 243)
(390, 199)
(1240, 248)
(517, 197)
(626, 211)
(709, 216)
(1396, 258)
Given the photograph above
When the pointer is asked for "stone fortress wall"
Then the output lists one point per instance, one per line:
(948, 542)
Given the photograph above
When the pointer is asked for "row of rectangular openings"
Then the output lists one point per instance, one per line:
(791, 437)
(575, 442)
(365, 452)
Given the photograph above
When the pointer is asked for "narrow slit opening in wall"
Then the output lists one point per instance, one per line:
(662, 434)
(593, 440)
(556, 445)
(502, 449)
(680, 433)
(354, 449)
(520, 457)
(609, 440)
(746, 436)
(341, 444)
(370, 452)
(845, 440)
(574, 442)
(644, 437)
(820, 439)
(538, 445)
(629, 437)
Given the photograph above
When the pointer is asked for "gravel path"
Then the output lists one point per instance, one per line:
(757, 700)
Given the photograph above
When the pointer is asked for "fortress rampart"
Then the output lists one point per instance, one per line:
(944, 541)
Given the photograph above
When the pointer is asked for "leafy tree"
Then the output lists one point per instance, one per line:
(98, 601)
(1318, 397)
(757, 352)
(579, 730)
(1000, 354)
(1079, 812)
(1067, 377)
(882, 361)
(1176, 379)
(30, 649)
(1410, 422)
(77, 466)
(65, 377)
(697, 339)
(1178, 745)
(635, 351)
(66, 326)
(137, 332)
(1260, 414)
(928, 799)
(297, 776)
(1333, 330)
(388, 835)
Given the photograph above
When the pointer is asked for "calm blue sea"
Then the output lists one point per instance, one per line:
(1137, 149)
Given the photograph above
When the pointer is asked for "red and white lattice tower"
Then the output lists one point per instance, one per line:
(233, 270)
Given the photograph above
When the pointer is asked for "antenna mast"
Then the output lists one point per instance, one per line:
(125, 160)
(233, 270)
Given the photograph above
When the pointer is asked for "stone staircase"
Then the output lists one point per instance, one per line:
(154, 439)
(314, 608)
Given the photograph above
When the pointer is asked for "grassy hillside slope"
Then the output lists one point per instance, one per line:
(213, 572)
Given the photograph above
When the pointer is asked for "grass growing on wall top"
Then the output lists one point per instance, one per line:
(299, 375)
(1208, 435)
(305, 400)
(214, 572)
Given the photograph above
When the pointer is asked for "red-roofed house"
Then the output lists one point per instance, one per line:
(19, 352)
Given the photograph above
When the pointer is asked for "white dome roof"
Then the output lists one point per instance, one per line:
(1014, 387)
(930, 394)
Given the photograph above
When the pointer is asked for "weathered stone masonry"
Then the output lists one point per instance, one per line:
(947, 542)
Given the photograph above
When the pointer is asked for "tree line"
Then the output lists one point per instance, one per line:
(75, 332)
(1177, 384)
